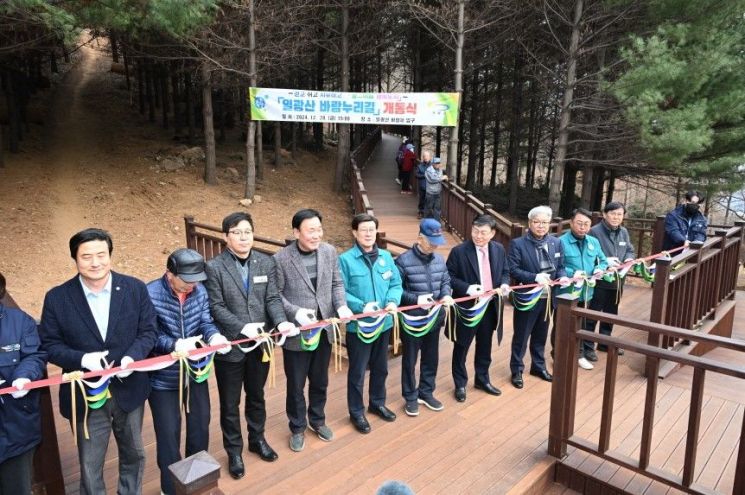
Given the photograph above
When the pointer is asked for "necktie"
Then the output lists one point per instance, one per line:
(486, 281)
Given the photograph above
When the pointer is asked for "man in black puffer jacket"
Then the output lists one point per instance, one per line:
(425, 277)
(184, 319)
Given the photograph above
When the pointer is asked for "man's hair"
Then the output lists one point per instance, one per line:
(361, 218)
(2, 286)
(234, 219)
(302, 215)
(581, 211)
(484, 219)
(540, 210)
(690, 194)
(613, 206)
(89, 235)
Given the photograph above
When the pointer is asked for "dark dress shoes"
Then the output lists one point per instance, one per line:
(360, 423)
(542, 374)
(488, 388)
(460, 394)
(263, 449)
(517, 380)
(383, 413)
(235, 467)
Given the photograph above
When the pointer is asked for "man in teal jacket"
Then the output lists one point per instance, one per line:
(372, 283)
(582, 253)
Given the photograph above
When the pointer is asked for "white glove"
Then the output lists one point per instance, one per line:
(425, 300)
(344, 312)
(543, 278)
(565, 281)
(19, 383)
(597, 270)
(305, 316)
(251, 330)
(187, 344)
(505, 290)
(124, 364)
(474, 290)
(613, 262)
(578, 274)
(391, 306)
(371, 307)
(94, 361)
(448, 301)
(288, 329)
(219, 339)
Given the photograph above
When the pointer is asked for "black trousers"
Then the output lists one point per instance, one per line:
(405, 178)
(312, 366)
(16, 474)
(428, 345)
(164, 405)
(603, 299)
(249, 375)
(362, 355)
(422, 197)
(529, 326)
(484, 335)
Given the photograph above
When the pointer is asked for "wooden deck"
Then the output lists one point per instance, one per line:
(485, 445)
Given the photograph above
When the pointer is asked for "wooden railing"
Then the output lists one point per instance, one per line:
(564, 393)
(209, 241)
(703, 277)
(360, 200)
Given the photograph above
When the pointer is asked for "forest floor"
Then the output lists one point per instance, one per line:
(89, 159)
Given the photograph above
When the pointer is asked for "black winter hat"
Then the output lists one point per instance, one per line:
(187, 264)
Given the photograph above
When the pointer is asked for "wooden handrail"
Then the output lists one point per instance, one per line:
(209, 241)
(358, 194)
(564, 391)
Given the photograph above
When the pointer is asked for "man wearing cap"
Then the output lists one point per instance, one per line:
(242, 287)
(425, 278)
(184, 320)
(95, 319)
(372, 283)
(434, 176)
(476, 266)
(312, 289)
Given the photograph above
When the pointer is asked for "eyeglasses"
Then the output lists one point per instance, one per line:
(539, 222)
(241, 233)
(367, 231)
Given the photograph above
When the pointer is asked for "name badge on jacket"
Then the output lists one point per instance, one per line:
(260, 279)
(387, 275)
(557, 255)
(622, 243)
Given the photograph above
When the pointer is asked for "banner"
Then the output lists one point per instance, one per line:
(296, 105)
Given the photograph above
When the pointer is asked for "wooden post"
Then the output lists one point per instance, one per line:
(564, 386)
(658, 234)
(695, 310)
(381, 241)
(196, 475)
(466, 232)
(189, 231)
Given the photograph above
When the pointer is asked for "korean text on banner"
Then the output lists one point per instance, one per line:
(295, 105)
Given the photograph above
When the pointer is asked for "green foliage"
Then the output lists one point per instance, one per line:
(49, 15)
(684, 90)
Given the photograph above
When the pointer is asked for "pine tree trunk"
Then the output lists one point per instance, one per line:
(141, 86)
(453, 146)
(513, 159)
(163, 78)
(318, 127)
(342, 155)
(473, 131)
(189, 106)
(277, 144)
(177, 116)
(150, 91)
(251, 168)
(210, 168)
(497, 126)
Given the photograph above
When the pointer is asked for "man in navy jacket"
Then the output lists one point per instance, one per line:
(475, 266)
(96, 318)
(21, 361)
(685, 224)
(184, 320)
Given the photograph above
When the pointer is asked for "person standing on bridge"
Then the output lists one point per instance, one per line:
(408, 164)
(685, 224)
(242, 287)
(425, 279)
(311, 289)
(96, 319)
(421, 170)
(184, 319)
(372, 283)
(616, 244)
(434, 176)
(475, 266)
(536, 257)
(21, 362)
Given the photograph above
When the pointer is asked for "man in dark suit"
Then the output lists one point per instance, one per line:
(311, 289)
(242, 287)
(100, 317)
(476, 266)
(536, 257)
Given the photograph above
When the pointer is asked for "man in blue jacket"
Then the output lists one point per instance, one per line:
(583, 255)
(100, 317)
(685, 224)
(21, 361)
(184, 320)
(425, 278)
(372, 283)
(536, 257)
(421, 170)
